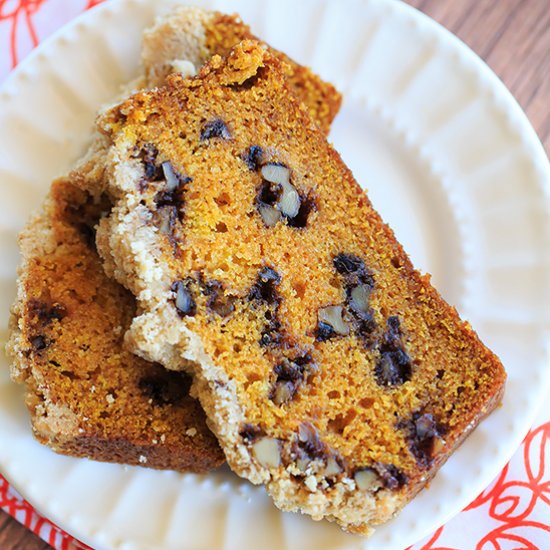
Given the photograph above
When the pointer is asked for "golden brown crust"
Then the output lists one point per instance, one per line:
(88, 396)
(329, 368)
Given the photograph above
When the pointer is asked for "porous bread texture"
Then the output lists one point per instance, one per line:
(182, 41)
(87, 396)
(186, 38)
(377, 408)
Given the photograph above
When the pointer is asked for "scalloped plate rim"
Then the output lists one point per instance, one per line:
(524, 126)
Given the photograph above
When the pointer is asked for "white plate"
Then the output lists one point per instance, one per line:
(450, 161)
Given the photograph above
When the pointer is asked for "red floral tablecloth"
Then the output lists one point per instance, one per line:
(513, 513)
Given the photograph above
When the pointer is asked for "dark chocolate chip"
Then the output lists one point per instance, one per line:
(380, 475)
(365, 324)
(253, 157)
(265, 339)
(290, 374)
(166, 389)
(268, 274)
(148, 157)
(353, 269)
(265, 288)
(421, 432)
(183, 299)
(303, 360)
(347, 264)
(391, 475)
(394, 326)
(174, 194)
(324, 332)
(358, 284)
(39, 343)
(44, 314)
(269, 193)
(271, 334)
(264, 291)
(310, 443)
(152, 172)
(250, 433)
(277, 198)
(307, 205)
(394, 367)
(57, 312)
(391, 339)
(211, 288)
(215, 128)
(292, 370)
(169, 198)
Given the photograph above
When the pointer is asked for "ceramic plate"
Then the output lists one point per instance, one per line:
(449, 160)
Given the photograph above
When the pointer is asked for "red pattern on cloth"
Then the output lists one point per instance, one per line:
(513, 513)
(19, 14)
(12, 503)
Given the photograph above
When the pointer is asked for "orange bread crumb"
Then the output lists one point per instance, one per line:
(196, 35)
(87, 395)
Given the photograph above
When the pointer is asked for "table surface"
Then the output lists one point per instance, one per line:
(513, 37)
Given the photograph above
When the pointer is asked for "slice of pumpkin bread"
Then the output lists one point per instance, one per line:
(181, 42)
(330, 370)
(87, 395)
(188, 37)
